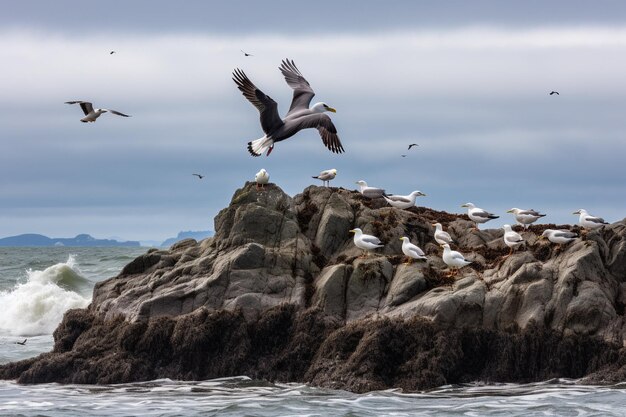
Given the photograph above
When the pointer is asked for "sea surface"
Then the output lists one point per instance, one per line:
(37, 285)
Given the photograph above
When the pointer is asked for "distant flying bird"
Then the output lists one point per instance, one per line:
(92, 114)
(21, 343)
(199, 176)
(299, 117)
(411, 145)
(478, 215)
(261, 178)
(404, 156)
(245, 53)
(326, 176)
(554, 92)
(111, 53)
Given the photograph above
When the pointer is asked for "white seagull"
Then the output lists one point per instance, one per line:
(478, 215)
(441, 237)
(411, 251)
(525, 217)
(588, 221)
(559, 236)
(511, 238)
(365, 242)
(326, 176)
(92, 114)
(455, 260)
(370, 192)
(261, 178)
(403, 201)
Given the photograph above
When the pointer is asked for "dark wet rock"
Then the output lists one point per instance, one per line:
(281, 293)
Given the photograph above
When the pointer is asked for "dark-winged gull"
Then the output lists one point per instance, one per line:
(92, 114)
(261, 178)
(411, 251)
(511, 238)
(554, 92)
(525, 217)
(403, 201)
(199, 176)
(558, 236)
(411, 145)
(478, 215)
(245, 53)
(299, 116)
(365, 242)
(326, 176)
(369, 192)
(21, 343)
(455, 260)
(588, 221)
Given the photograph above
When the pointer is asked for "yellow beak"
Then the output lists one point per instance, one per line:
(331, 109)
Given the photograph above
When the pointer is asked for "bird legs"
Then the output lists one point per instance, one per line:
(409, 261)
(261, 188)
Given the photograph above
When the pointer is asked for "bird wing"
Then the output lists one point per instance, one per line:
(513, 237)
(564, 233)
(267, 107)
(370, 239)
(593, 219)
(457, 255)
(399, 198)
(444, 236)
(530, 212)
(302, 91)
(117, 112)
(85, 105)
(480, 213)
(411, 145)
(325, 126)
(416, 250)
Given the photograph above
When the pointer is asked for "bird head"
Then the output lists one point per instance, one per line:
(361, 183)
(445, 246)
(436, 225)
(322, 107)
(580, 211)
(403, 238)
(468, 205)
(355, 230)
(334, 171)
(513, 210)
(418, 193)
(506, 227)
(545, 233)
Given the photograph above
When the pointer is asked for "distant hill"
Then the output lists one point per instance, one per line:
(32, 239)
(199, 235)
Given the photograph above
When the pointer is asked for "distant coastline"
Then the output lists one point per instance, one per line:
(82, 240)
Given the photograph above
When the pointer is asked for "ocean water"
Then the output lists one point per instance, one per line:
(38, 284)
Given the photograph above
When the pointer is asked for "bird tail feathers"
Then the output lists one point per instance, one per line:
(257, 147)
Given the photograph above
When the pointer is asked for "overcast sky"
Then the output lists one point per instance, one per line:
(468, 81)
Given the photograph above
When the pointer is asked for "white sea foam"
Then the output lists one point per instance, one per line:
(36, 307)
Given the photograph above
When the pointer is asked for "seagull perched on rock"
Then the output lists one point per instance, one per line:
(455, 260)
(403, 201)
(299, 116)
(478, 215)
(588, 221)
(411, 251)
(92, 114)
(559, 236)
(511, 238)
(440, 236)
(525, 217)
(326, 176)
(365, 242)
(370, 192)
(261, 178)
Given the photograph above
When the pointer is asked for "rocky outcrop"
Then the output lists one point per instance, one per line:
(281, 293)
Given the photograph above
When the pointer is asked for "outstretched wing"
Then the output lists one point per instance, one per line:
(302, 91)
(267, 107)
(325, 126)
(85, 105)
(116, 112)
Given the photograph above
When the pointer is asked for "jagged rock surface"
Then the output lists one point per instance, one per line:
(280, 293)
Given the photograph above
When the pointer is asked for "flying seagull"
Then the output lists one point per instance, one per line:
(245, 53)
(199, 176)
(326, 176)
(299, 116)
(411, 145)
(404, 156)
(111, 53)
(92, 114)
(21, 343)
(554, 92)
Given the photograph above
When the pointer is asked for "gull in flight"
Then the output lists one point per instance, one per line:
(326, 176)
(299, 116)
(199, 176)
(92, 114)
(554, 92)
